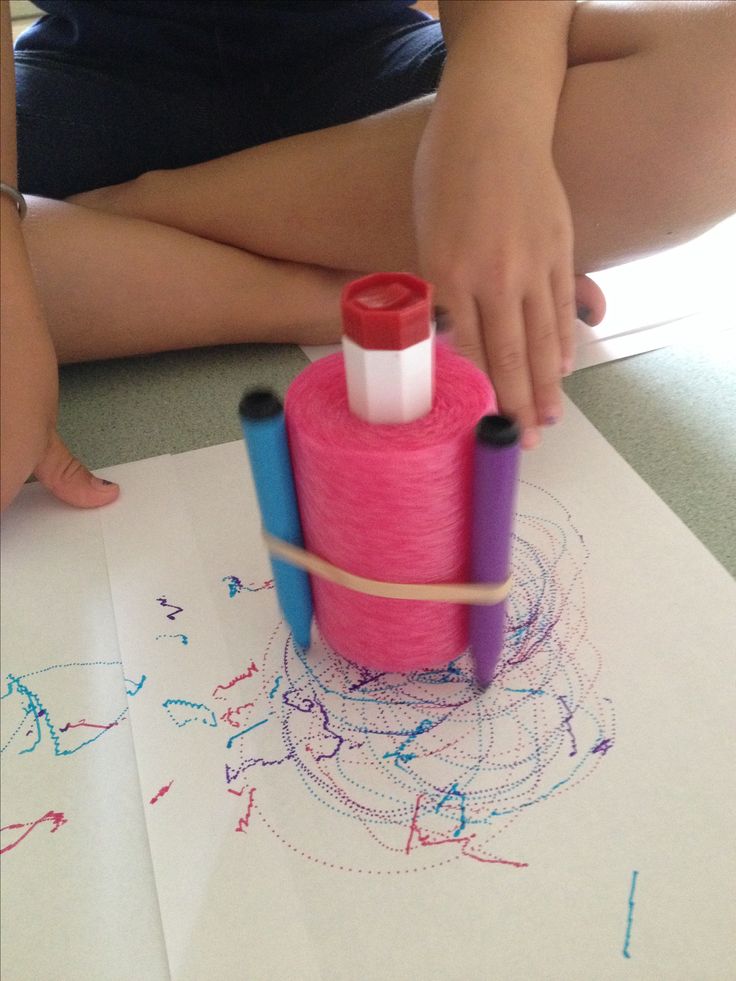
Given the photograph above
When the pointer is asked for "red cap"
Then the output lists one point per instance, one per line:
(387, 311)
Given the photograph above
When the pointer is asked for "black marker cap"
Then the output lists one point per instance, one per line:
(260, 403)
(497, 431)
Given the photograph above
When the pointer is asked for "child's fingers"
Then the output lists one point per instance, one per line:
(508, 364)
(70, 481)
(459, 313)
(543, 352)
(562, 282)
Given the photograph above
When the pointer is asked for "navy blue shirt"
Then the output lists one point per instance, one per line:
(222, 37)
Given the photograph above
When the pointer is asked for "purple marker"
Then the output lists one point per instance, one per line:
(495, 479)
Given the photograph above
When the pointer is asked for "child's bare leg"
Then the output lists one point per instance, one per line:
(113, 286)
(647, 136)
(645, 145)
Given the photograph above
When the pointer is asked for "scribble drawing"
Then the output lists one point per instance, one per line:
(244, 821)
(55, 818)
(181, 637)
(162, 601)
(133, 687)
(244, 732)
(244, 676)
(630, 915)
(277, 682)
(231, 716)
(161, 793)
(66, 704)
(420, 768)
(603, 746)
(236, 586)
(182, 712)
(418, 838)
(83, 724)
(430, 771)
(567, 720)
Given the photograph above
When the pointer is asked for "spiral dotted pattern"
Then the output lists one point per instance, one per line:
(421, 759)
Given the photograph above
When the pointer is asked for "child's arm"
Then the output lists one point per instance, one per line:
(493, 221)
(29, 383)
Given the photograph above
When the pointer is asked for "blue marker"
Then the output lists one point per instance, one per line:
(264, 429)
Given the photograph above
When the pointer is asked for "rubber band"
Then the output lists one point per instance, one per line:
(474, 593)
(14, 193)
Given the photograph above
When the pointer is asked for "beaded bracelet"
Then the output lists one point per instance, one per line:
(14, 193)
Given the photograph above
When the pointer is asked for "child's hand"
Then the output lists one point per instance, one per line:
(55, 467)
(69, 480)
(495, 237)
(29, 389)
(494, 229)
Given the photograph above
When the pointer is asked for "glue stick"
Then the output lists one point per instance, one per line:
(388, 347)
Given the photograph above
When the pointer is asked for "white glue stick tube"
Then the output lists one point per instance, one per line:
(388, 346)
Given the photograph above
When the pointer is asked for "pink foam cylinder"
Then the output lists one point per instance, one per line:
(391, 503)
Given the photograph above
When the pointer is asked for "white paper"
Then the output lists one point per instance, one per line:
(638, 617)
(651, 303)
(318, 822)
(78, 895)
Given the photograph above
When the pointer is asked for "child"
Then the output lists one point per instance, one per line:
(223, 180)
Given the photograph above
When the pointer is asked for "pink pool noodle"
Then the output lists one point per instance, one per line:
(388, 502)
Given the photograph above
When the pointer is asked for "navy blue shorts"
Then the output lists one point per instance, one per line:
(87, 125)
